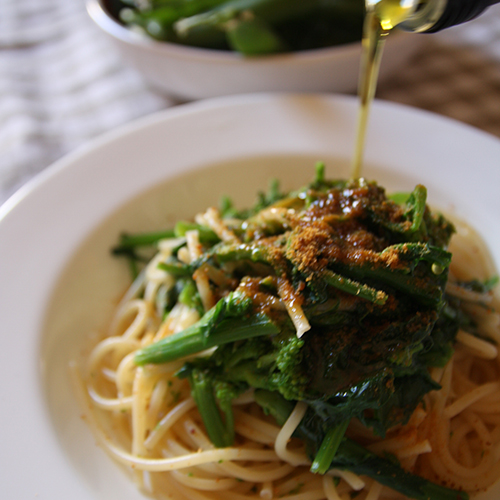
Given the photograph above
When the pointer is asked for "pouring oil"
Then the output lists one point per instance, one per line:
(381, 17)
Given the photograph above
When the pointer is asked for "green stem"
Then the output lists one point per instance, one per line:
(354, 288)
(142, 239)
(230, 320)
(328, 448)
(205, 234)
(177, 270)
(253, 37)
(416, 206)
(159, 20)
(254, 253)
(193, 340)
(221, 434)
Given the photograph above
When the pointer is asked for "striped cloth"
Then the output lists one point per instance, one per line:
(62, 83)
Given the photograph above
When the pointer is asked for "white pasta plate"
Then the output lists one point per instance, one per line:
(59, 282)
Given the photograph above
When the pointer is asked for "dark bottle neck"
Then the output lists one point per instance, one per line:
(460, 11)
(436, 15)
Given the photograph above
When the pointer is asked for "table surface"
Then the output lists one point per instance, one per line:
(62, 83)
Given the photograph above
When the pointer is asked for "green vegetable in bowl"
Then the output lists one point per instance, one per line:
(251, 27)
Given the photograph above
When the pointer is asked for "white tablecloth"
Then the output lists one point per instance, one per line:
(62, 83)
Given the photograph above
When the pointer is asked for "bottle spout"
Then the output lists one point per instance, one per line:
(425, 16)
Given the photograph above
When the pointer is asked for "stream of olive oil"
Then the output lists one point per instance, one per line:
(381, 17)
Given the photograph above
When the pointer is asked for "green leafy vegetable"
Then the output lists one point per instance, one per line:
(251, 27)
(335, 296)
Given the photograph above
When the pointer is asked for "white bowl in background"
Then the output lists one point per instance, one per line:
(196, 73)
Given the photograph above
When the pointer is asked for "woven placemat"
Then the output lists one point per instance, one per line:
(456, 74)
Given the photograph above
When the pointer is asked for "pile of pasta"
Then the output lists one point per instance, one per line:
(146, 419)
